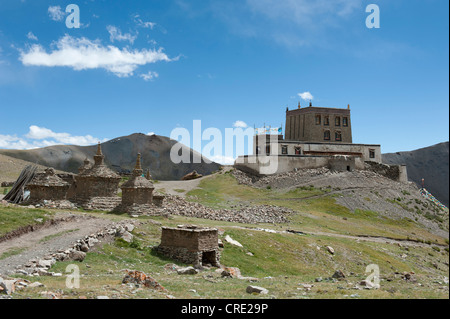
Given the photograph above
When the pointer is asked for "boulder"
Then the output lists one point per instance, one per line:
(338, 275)
(257, 290)
(187, 271)
(128, 237)
(7, 286)
(77, 255)
(330, 250)
(232, 241)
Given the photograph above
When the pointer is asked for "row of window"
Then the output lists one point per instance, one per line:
(337, 120)
(298, 150)
(337, 136)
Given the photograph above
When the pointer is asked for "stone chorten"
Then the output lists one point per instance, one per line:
(86, 166)
(138, 191)
(47, 186)
(96, 181)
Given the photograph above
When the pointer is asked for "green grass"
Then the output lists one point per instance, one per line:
(12, 218)
(50, 237)
(280, 262)
(12, 252)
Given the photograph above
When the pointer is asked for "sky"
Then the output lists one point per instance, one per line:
(150, 66)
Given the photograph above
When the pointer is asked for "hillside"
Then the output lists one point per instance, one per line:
(120, 155)
(297, 231)
(10, 168)
(430, 163)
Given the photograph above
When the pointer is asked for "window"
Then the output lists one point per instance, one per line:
(345, 121)
(268, 149)
(298, 151)
(326, 121)
(284, 150)
(372, 153)
(318, 119)
(327, 135)
(337, 121)
(338, 136)
(258, 150)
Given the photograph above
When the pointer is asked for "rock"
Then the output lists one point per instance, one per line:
(35, 285)
(7, 286)
(102, 297)
(250, 254)
(187, 271)
(61, 257)
(338, 275)
(232, 272)
(91, 242)
(128, 237)
(77, 255)
(320, 279)
(330, 250)
(129, 227)
(220, 243)
(368, 285)
(84, 248)
(45, 263)
(232, 241)
(257, 290)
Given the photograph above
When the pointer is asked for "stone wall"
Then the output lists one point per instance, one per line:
(92, 186)
(301, 124)
(139, 196)
(190, 245)
(41, 192)
(395, 172)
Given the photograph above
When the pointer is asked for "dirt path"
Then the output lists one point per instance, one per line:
(45, 241)
(181, 188)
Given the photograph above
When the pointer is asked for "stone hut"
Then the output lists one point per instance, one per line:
(98, 182)
(191, 245)
(137, 193)
(47, 186)
(342, 163)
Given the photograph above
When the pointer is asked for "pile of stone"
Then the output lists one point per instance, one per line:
(58, 204)
(41, 267)
(140, 278)
(10, 285)
(280, 180)
(175, 205)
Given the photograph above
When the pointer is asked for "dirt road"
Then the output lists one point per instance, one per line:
(38, 244)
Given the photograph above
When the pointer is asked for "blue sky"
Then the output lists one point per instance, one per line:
(154, 65)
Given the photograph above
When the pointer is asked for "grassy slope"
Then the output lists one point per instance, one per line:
(281, 261)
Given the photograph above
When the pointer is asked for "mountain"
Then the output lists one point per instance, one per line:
(120, 155)
(430, 163)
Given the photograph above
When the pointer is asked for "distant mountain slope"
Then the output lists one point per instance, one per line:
(120, 154)
(430, 163)
(10, 168)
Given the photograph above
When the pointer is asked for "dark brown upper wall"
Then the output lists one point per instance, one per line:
(301, 125)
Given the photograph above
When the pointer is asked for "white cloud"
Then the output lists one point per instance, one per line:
(31, 36)
(43, 137)
(306, 96)
(116, 34)
(144, 24)
(150, 76)
(56, 13)
(224, 160)
(240, 124)
(84, 54)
